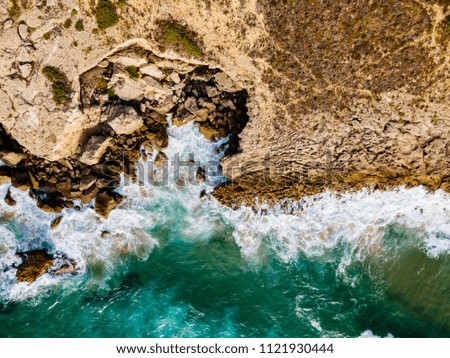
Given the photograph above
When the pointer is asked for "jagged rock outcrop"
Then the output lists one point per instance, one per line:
(37, 263)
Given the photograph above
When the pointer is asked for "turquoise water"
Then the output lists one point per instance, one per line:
(178, 266)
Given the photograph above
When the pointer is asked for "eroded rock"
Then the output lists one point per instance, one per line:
(39, 262)
(34, 265)
(106, 201)
(12, 159)
(9, 199)
(127, 121)
(94, 149)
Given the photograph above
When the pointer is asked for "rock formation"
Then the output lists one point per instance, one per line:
(37, 263)
(315, 94)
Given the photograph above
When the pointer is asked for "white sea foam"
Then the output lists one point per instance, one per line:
(317, 226)
(356, 219)
(369, 334)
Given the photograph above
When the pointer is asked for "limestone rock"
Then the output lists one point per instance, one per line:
(212, 91)
(191, 105)
(127, 122)
(86, 182)
(160, 159)
(129, 61)
(23, 31)
(129, 90)
(12, 159)
(175, 77)
(94, 149)
(25, 70)
(153, 71)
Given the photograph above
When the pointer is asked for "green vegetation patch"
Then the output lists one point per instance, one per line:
(47, 35)
(447, 26)
(445, 4)
(105, 14)
(133, 71)
(60, 85)
(180, 37)
(14, 9)
(102, 85)
(67, 23)
(79, 26)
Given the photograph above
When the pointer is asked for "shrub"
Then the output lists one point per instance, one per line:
(67, 23)
(102, 85)
(74, 12)
(179, 36)
(133, 71)
(59, 93)
(79, 26)
(14, 10)
(105, 14)
(60, 85)
(53, 74)
(111, 94)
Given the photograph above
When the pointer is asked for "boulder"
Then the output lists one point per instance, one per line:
(20, 179)
(4, 179)
(12, 159)
(25, 70)
(160, 159)
(106, 201)
(153, 71)
(175, 77)
(87, 181)
(191, 105)
(56, 222)
(34, 264)
(39, 262)
(52, 206)
(126, 122)
(129, 90)
(9, 199)
(94, 149)
(225, 83)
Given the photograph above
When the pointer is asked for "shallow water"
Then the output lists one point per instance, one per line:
(175, 265)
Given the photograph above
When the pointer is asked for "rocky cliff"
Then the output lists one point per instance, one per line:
(337, 94)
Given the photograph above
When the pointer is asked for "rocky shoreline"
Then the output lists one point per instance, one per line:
(131, 115)
(348, 96)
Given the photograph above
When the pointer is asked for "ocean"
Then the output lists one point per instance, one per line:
(175, 264)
